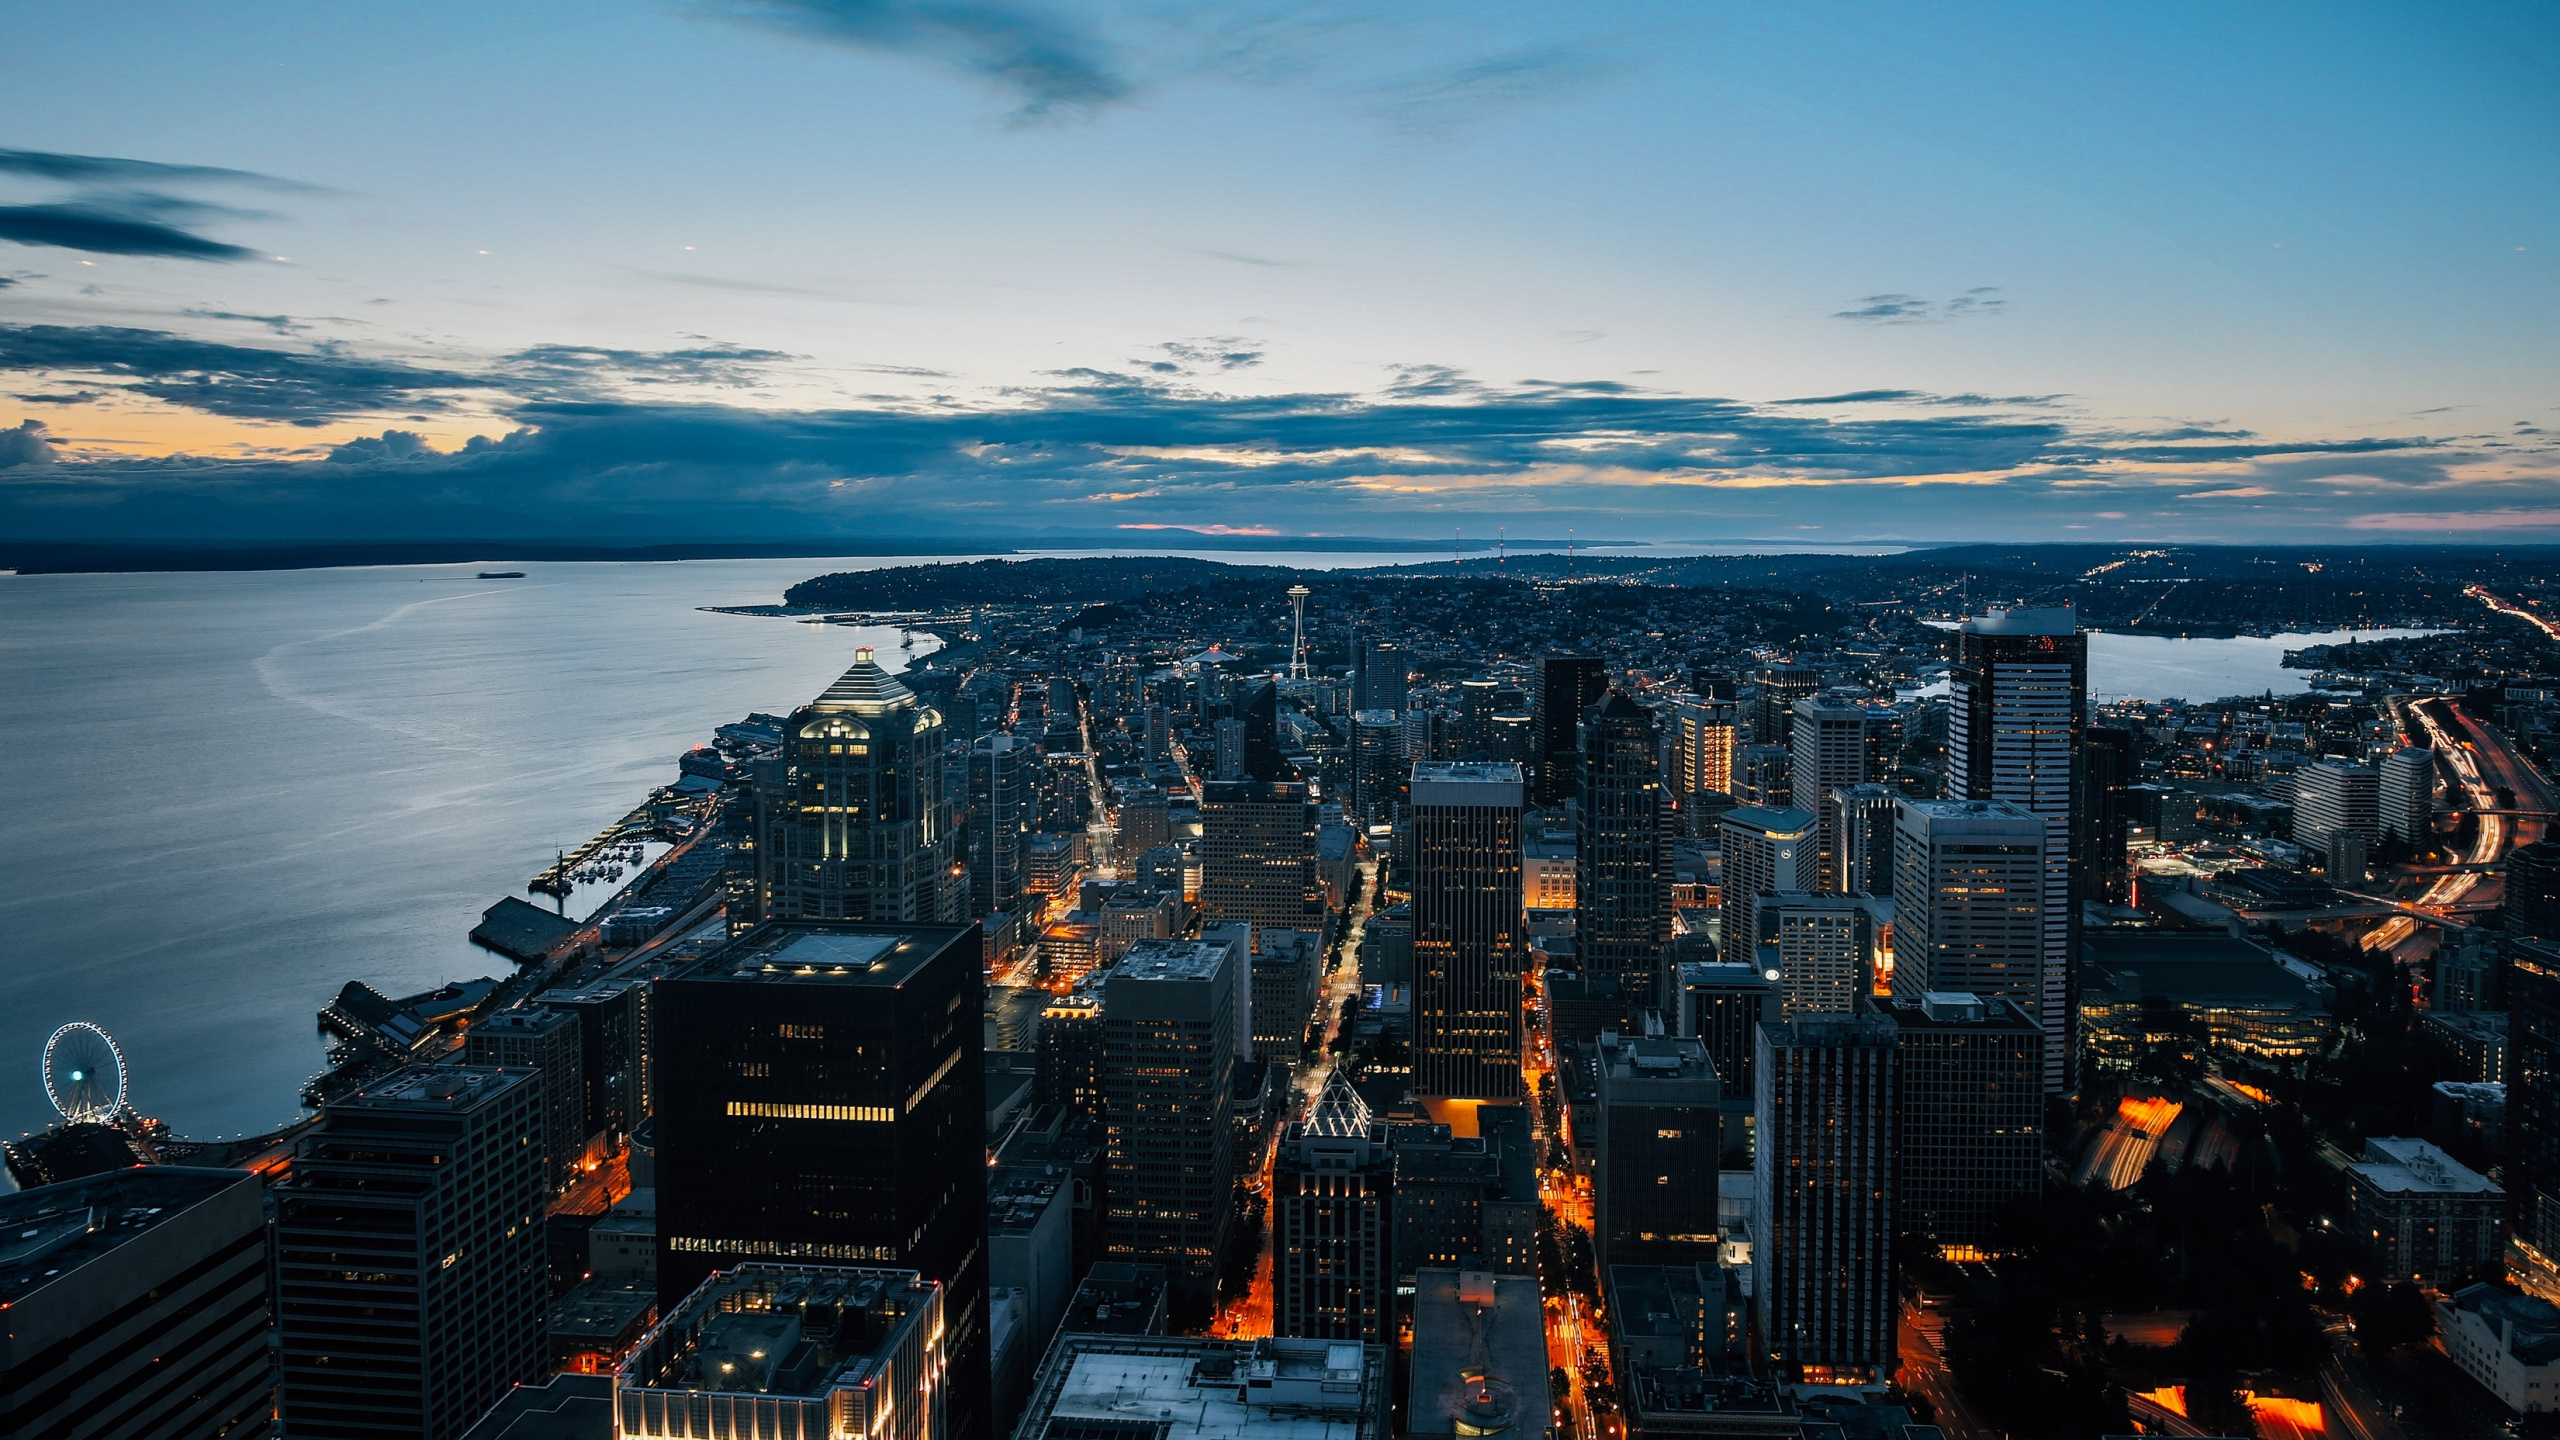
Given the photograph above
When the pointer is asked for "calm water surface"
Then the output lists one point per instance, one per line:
(231, 794)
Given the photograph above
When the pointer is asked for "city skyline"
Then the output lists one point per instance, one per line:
(813, 266)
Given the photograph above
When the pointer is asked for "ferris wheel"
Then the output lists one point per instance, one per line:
(84, 1074)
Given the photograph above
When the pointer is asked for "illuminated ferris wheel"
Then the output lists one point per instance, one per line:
(84, 1074)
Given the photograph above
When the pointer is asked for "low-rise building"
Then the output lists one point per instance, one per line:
(2506, 1341)
(2428, 1218)
(1103, 1387)
(2248, 999)
(1479, 1357)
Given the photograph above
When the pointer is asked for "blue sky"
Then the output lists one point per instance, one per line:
(781, 267)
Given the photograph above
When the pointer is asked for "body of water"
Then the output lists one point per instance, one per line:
(232, 793)
(2165, 667)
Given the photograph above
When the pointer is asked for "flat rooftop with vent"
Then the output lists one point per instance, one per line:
(823, 1352)
(1121, 1387)
(829, 952)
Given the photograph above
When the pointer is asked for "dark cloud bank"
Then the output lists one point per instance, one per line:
(591, 455)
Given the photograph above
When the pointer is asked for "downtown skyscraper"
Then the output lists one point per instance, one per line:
(1622, 897)
(2015, 719)
(852, 821)
(1566, 686)
(1467, 938)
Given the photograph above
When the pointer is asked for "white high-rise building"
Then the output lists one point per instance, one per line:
(1766, 848)
(2407, 794)
(2332, 796)
(1827, 752)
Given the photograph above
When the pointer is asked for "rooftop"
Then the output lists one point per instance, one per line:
(2398, 1166)
(2535, 1334)
(1775, 819)
(1479, 1356)
(48, 1233)
(567, 1407)
(1109, 1387)
(2044, 620)
(865, 689)
(827, 953)
(783, 1330)
(1170, 960)
(448, 1089)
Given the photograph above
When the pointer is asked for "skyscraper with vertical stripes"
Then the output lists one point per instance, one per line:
(2015, 721)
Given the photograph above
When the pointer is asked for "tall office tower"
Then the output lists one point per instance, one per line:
(1822, 946)
(2332, 795)
(1971, 882)
(1258, 855)
(1377, 764)
(137, 1305)
(1144, 822)
(1257, 707)
(1169, 1055)
(1862, 858)
(1377, 675)
(1422, 731)
(2533, 1112)
(1622, 897)
(2532, 903)
(822, 1097)
(857, 826)
(2114, 765)
(410, 1278)
(2020, 700)
(1467, 940)
(1763, 775)
(1566, 686)
(1722, 1006)
(1661, 1136)
(1711, 684)
(1822, 1231)
(1476, 709)
(547, 1042)
(2405, 794)
(1765, 850)
(1068, 1055)
(1970, 1133)
(1230, 749)
(1829, 752)
(1001, 814)
(1286, 981)
(1333, 1267)
(1155, 733)
(801, 1350)
(1515, 739)
(1704, 733)
(612, 1028)
(1773, 716)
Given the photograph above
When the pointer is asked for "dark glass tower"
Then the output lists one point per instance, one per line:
(821, 1098)
(1566, 686)
(2113, 766)
(854, 824)
(1332, 1224)
(1467, 939)
(2533, 1110)
(1622, 899)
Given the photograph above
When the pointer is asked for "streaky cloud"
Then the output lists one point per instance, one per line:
(109, 230)
(95, 169)
(1048, 68)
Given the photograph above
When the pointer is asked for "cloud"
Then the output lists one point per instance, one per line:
(281, 324)
(1912, 310)
(94, 169)
(25, 445)
(1219, 353)
(103, 228)
(1046, 67)
(1430, 103)
(125, 207)
(245, 382)
(578, 369)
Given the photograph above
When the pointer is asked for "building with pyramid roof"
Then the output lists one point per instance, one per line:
(852, 819)
(1333, 1266)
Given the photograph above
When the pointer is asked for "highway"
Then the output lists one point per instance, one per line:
(1575, 1336)
(2477, 762)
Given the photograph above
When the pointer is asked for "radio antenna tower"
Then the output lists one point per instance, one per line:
(1298, 631)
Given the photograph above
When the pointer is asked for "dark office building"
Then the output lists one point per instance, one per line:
(1377, 675)
(1566, 686)
(1970, 1135)
(1258, 855)
(1661, 1121)
(410, 1278)
(821, 1098)
(1258, 708)
(2533, 1103)
(1622, 895)
(136, 1304)
(2532, 905)
(611, 1021)
(853, 822)
(1332, 1228)
(1773, 714)
(1467, 941)
(1722, 1005)
(1823, 1228)
(2111, 760)
(1003, 811)
(548, 1043)
(1169, 1028)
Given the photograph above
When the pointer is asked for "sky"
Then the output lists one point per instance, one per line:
(1703, 272)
